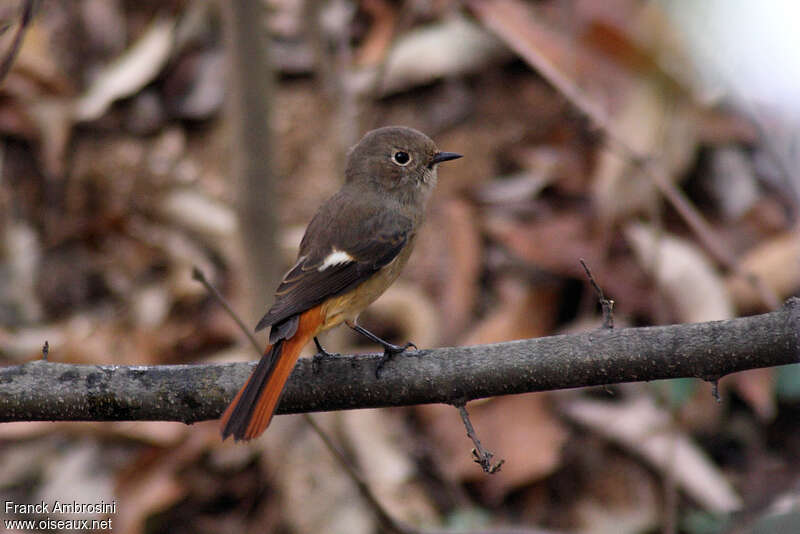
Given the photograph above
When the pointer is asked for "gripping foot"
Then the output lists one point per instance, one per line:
(320, 356)
(389, 349)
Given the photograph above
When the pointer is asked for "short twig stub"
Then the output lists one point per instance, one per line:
(606, 304)
(481, 456)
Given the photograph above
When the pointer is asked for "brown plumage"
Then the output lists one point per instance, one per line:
(353, 249)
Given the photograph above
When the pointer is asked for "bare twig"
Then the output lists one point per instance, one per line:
(606, 304)
(389, 523)
(198, 275)
(26, 14)
(481, 456)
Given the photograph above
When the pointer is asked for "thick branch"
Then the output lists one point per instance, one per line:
(51, 391)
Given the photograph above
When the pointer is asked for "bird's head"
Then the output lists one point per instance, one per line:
(397, 160)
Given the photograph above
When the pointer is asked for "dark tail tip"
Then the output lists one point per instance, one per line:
(237, 416)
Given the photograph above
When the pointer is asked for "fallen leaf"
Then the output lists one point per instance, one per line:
(38, 61)
(640, 426)
(620, 497)
(683, 273)
(732, 182)
(75, 475)
(316, 495)
(381, 32)
(156, 490)
(134, 69)
(558, 241)
(757, 389)
(152, 483)
(190, 209)
(648, 124)
(195, 87)
(453, 47)
(379, 442)
(776, 262)
(523, 312)
(545, 48)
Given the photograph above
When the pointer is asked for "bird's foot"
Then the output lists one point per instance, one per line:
(389, 351)
(320, 356)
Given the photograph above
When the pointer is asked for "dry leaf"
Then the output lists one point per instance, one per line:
(192, 210)
(20, 261)
(523, 312)
(732, 182)
(554, 243)
(621, 497)
(152, 483)
(683, 273)
(126, 76)
(556, 54)
(776, 262)
(757, 389)
(154, 491)
(380, 443)
(195, 87)
(381, 32)
(38, 60)
(641, 426)
(557, 242)
(316, 495)
(75, 474)
(650, 125)
(636, 109)
(453, 47)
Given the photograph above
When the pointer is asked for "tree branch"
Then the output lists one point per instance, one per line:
(43, 390)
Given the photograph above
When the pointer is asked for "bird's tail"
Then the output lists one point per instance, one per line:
(250, 411)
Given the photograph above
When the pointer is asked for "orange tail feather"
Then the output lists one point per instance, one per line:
(251, 410)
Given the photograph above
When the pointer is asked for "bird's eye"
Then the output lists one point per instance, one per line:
(401, 158)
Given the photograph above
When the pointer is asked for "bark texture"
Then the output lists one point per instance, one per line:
(44, 390)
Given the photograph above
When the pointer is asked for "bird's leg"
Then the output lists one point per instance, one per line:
(389, 349)
(320, 350)
(321, 355)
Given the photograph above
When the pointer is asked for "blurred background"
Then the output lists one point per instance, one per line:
(140, 139)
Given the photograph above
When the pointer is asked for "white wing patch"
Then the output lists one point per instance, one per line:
(335, 258)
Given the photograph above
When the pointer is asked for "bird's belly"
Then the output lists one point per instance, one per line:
(349, 305)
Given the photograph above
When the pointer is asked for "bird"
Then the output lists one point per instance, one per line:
(353, 249)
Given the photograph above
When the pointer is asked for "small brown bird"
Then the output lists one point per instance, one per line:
(353, 249)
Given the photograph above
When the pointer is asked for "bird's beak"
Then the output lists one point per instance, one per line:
(443, 156)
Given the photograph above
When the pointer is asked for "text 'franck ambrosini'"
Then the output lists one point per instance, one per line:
(62, 507)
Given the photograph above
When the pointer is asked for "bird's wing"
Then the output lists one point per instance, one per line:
(333, 262)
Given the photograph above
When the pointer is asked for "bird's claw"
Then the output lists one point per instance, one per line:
(320, 357)
(389, 351)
